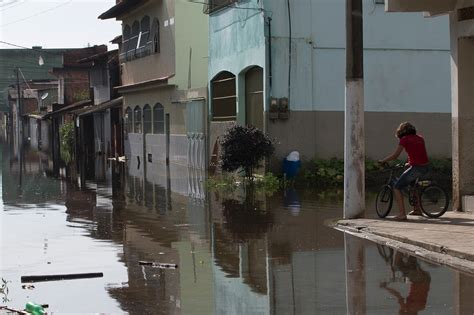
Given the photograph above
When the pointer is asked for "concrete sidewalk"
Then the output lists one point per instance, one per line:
(448, 240)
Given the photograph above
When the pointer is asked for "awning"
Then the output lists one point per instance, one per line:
(35, 116)
(68, 108)
(120, 8)
(118, 102)
(159, 82)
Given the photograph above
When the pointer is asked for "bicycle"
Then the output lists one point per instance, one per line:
(430, 198)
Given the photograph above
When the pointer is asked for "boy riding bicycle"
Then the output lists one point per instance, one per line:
(418, 161)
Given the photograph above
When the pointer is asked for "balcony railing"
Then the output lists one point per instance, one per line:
(136, 53)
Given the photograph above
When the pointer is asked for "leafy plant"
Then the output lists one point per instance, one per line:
(244, 147)
(228, 183)
(66, 138)
(330, 173)
(269, 183)
(81, 95)
(4, 291)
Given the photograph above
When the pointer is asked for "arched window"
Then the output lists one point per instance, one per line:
(134, 37)
(144, 31)
(155, 32)
(127, 31)
(224, 105)
(128, 120)
(158, 119)
(147, 119)
(137, 115)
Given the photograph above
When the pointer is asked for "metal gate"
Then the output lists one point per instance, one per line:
(195, 128)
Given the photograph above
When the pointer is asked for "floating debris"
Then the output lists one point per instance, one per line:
(28, 286)
(158, 265)
(42, 278)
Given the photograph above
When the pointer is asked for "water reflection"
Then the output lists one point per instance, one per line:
(236, 254)
(408, 270)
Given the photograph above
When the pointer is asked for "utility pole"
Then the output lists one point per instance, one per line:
(354, 146)
(18, 108)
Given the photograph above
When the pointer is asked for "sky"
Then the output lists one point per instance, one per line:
(56, 24)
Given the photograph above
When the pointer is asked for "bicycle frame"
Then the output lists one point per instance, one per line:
(412, 191)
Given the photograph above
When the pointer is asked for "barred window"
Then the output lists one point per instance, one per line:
(128, 120)
(135, 35)
(144, 31)
(137, 115)
(155, 31)
(158, 119)
(147, 119)
(127, 33)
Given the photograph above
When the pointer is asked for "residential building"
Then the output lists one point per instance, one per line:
(163, 62)
(34, 65)
(73, 93)
(461, 39)
(100, 129)
(280, 66)
(36, 97)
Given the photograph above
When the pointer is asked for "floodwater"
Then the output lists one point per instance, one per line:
(235, 255)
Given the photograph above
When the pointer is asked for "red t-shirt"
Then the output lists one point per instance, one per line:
(415, 147)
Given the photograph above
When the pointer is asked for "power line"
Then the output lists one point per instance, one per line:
(39, 50)
(12, 5)
(36, 14)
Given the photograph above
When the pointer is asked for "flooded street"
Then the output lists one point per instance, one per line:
(235, 255)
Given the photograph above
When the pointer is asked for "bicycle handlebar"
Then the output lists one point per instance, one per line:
(397, 166)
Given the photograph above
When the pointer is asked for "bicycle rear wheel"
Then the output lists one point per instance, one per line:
(384, 201)
(434, 201)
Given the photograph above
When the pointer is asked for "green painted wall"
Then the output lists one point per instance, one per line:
(192, 31)
(28, 61)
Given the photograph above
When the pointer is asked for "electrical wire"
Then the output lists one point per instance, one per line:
(23, 76)
(39, 50)
(36, 14)
(13, 5)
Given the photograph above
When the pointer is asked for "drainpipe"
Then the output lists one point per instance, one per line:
(354, 146)
(270, 70)
(289, 52)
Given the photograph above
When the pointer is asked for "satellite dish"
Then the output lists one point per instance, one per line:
(44, 96)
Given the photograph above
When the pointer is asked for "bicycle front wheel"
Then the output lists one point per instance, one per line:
(434, 201)
(384, 201)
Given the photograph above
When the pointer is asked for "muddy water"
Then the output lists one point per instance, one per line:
(235, 254)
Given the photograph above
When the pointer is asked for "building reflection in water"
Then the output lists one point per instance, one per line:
(236, 254)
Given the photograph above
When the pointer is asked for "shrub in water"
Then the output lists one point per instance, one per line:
(245, 147)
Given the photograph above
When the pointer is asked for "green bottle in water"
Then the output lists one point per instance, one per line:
(34, 309)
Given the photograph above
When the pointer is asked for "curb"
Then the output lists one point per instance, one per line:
(429, 252)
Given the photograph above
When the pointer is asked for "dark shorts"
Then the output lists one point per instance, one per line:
(410, 175)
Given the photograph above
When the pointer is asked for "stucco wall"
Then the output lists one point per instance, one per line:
(406, 58)
(191, 33)
(236, 43)
(156, 65)
(321, 133)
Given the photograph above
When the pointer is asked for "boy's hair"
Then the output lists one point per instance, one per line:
(405, 129)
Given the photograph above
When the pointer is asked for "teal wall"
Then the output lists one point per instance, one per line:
(407, 59)
(236, 43)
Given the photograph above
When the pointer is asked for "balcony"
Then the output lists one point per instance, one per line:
(136, 53)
